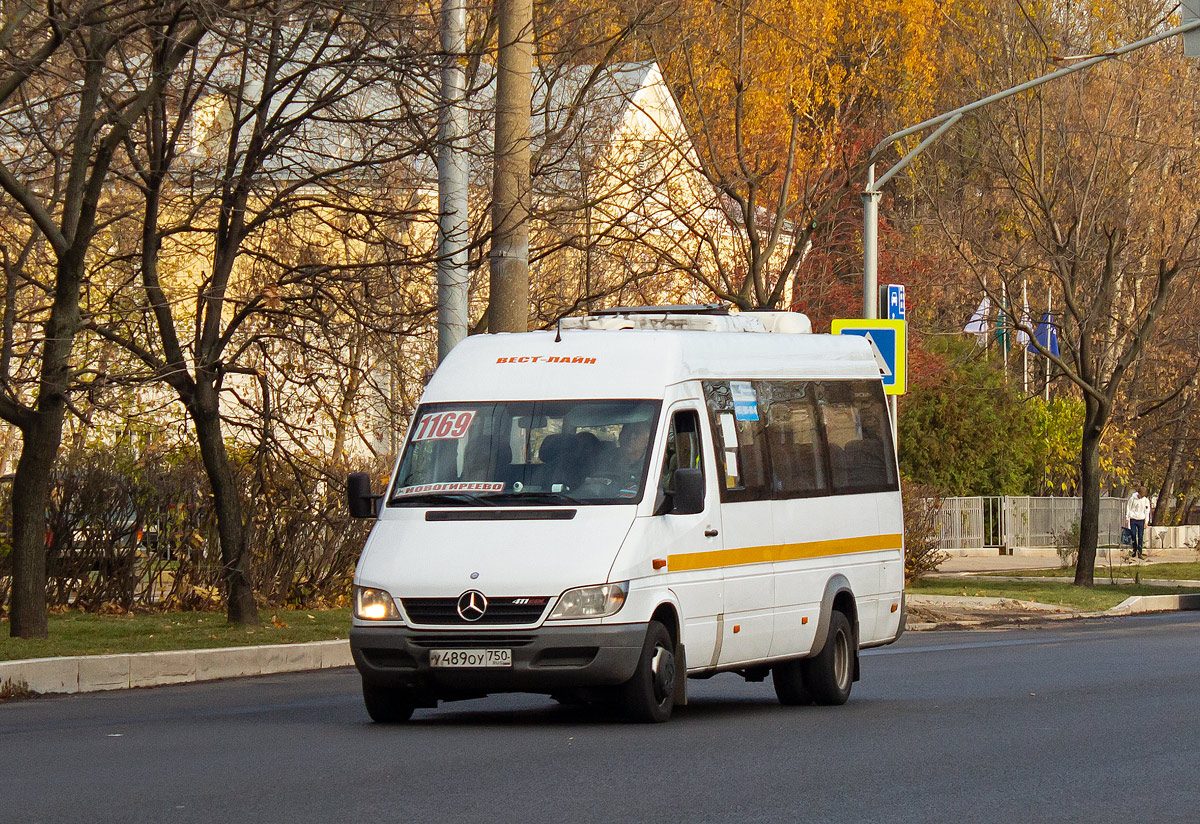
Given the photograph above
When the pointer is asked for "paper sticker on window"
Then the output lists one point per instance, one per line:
(728, 431)
(449, 425)
(745, 402)
(731, 468)
(459, 486)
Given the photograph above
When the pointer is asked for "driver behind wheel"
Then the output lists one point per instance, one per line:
(625, 464)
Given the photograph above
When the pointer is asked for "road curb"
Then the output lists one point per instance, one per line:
(96, 673)
(1156, 603)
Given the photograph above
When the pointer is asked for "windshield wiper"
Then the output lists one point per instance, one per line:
(531, 498)
(438, 498)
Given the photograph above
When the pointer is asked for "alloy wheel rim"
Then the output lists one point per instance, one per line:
(841, 660)
(662, 669)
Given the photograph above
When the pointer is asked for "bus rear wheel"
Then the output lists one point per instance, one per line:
(829, 674)
(788, 677)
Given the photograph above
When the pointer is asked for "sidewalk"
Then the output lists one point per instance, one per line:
(948, 611)
(929, 612)
(994, 562)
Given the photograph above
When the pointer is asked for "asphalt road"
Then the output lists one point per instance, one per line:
(1074, 722)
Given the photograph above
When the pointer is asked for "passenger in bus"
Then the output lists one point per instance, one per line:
(475, 460)
(551, 454)
(588, 452)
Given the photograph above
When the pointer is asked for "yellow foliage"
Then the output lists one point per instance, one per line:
(846, 71)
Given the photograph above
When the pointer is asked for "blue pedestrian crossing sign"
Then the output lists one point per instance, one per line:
(889, 340)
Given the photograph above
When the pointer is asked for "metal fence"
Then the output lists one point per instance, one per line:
(1005, 522)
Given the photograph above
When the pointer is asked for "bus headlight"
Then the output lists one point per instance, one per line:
(591, 602)
(374, 605)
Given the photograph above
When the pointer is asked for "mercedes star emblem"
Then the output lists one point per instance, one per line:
(472, 605)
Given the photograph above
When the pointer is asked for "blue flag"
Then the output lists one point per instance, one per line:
(1046, 334)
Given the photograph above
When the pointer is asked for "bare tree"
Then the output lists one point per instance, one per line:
(67, 101)
(288, 122)
(1083, 187)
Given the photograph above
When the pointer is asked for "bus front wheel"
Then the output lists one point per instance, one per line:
(386, 706)
(649, 696)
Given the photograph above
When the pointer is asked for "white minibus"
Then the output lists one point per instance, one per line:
(602, 511)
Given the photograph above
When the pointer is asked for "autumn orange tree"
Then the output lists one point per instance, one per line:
(782, 101)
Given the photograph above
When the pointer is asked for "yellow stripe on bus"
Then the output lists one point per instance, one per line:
(780, 552)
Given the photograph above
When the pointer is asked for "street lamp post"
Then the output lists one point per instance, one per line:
(944, 121)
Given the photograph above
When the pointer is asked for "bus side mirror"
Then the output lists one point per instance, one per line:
(358, 494)
(689, 492)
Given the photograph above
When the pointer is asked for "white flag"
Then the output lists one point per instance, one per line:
(978, 325)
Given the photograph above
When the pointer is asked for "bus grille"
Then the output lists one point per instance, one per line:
(444, 611)
(475, 641)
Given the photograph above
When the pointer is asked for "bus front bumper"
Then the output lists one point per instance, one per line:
(546, 659)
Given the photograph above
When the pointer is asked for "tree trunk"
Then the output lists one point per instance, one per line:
(39, 448)
(1164, 512)
(1185, 508)
(231, 527)
(1094, 419)
(30, 499)
(345, 411)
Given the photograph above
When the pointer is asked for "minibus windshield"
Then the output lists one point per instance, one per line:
(527, 453)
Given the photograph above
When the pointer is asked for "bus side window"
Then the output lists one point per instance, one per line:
(739, 440)
(873, 463)
(855, 420)
(682, 448)
(797, 459)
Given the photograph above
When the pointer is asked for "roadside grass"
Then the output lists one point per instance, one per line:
(1189, 571)
(84, 634)
(1094, 599)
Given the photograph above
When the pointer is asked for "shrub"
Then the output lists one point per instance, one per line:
(922, 547)
(134, 529)
(1067, 544)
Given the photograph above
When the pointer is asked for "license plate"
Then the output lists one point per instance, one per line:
(469, 658)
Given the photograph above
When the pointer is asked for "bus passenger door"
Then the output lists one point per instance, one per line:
(747, 623)
(687, 539)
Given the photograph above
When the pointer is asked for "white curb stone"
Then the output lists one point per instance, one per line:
(154, 669)
(99, 672)
(43, 674)
(93, 673)
(1157, 603)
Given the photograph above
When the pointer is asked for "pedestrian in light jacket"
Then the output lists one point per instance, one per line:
(1136, 513)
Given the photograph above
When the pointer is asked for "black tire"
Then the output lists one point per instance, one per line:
(386, 706)
(649, 696)
(788, 678)
(569, 699)
(829, 674)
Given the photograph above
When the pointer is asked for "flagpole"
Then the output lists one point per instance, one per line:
(1004, 324)
(1049, 319)
(1025, 348)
